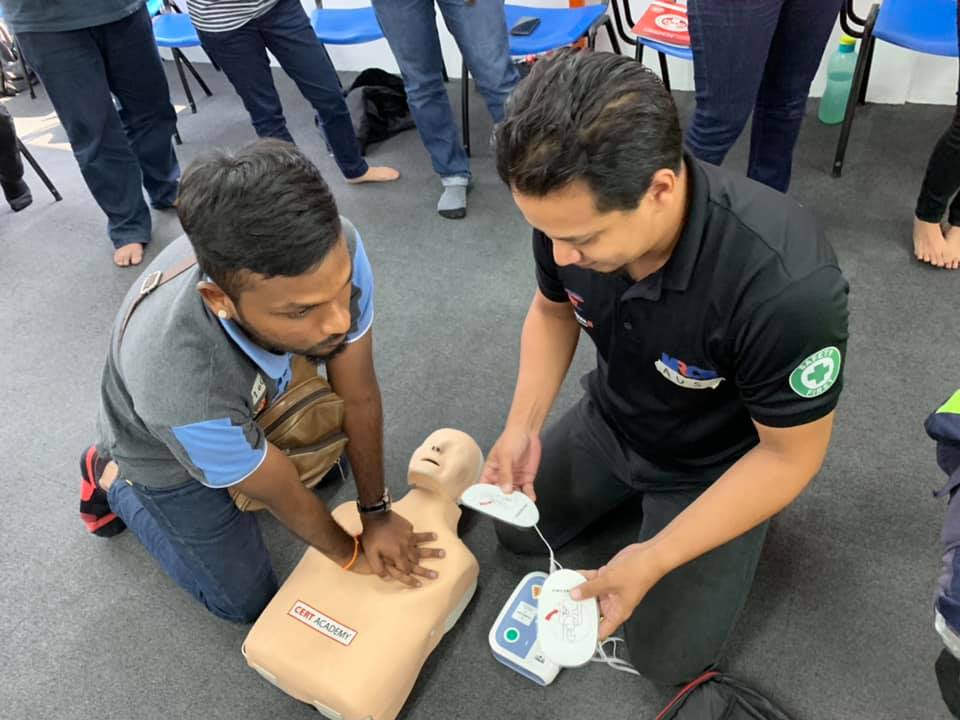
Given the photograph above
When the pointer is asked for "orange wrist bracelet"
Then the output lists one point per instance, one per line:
(356, 553)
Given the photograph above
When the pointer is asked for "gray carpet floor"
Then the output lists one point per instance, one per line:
(839, 623)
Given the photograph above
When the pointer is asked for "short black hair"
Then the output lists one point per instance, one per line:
(263, 208)
(596, 117)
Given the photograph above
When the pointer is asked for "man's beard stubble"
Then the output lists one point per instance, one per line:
(314, 357)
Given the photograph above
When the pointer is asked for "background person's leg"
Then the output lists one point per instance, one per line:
(794, 57)
(480, 30)
(135, 75)
(942, 179)
(71, 68)
(411, 30)
(242, 55)
(577, 482)
(730, 42)
(207, 546)
(287, 33)
(681, 626)
(941, 182)
(15, 190)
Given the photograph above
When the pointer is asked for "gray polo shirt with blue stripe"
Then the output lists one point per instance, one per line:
(179, 398)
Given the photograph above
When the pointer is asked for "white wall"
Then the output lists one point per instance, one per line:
(898, 75)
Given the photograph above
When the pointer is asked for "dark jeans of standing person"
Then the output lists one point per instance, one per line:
(285, 31)
(15, 190)
(119, 147)
(942, 180)
(681, 626)
(756, 56)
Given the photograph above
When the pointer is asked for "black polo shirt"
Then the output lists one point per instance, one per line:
(746, 320)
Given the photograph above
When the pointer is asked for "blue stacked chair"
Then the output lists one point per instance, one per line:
(175, 31)
(925, 26)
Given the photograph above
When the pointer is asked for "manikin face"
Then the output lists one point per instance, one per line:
(448, 460)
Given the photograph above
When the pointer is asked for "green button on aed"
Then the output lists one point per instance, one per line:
(512, 635)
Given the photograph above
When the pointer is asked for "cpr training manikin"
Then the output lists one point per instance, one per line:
(327, 633)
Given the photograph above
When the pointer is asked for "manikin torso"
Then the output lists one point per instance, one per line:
(352, 644)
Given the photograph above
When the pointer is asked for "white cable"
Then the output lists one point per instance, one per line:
(612, 660)
(554, 565)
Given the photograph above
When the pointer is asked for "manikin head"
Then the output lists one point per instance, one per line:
(266, 232)
(448, 462)
(592, 151)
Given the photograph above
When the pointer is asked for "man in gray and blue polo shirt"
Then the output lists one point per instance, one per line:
(279, 273)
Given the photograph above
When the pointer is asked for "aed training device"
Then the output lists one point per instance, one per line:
(513, 637)
(525, 26)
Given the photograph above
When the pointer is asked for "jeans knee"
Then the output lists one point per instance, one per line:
(243, 607)
(710, 136)
(422, 92)
(244, 613)
(666, 661)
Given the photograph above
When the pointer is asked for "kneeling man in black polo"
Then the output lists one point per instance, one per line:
(719, 315)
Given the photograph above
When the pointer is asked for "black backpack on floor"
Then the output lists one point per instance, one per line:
(715, 696)
(378, 106)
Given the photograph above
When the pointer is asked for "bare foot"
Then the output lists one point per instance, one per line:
(127, 255)
(953, 247)
(376, 175)
(929, 244)
(110, 473)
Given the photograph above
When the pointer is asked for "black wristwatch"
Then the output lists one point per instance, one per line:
(381, 506)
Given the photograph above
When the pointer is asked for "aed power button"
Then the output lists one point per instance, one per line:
(511, 635)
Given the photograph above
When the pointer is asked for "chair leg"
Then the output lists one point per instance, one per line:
(862, 99)
(183, 80)
(614, 43)
(638, 52)
(26, 73)
(465, 106)
(176, 135)
(196, 75)
(443, 69)
(859, 76)
(664, 71)
(39, 170)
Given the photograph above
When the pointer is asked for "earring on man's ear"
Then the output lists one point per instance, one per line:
(222, 314)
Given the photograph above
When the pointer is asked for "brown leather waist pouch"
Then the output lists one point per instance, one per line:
(305, 421)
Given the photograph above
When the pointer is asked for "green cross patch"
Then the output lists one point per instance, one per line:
(817, 373)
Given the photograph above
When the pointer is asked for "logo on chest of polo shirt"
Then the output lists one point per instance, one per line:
(258, 393)
(687, 376)
(577, 302)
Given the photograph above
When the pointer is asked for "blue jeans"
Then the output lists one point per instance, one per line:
(755, 56)
(480, 29)
(207, 546)
(285, 30)
(118, 147)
